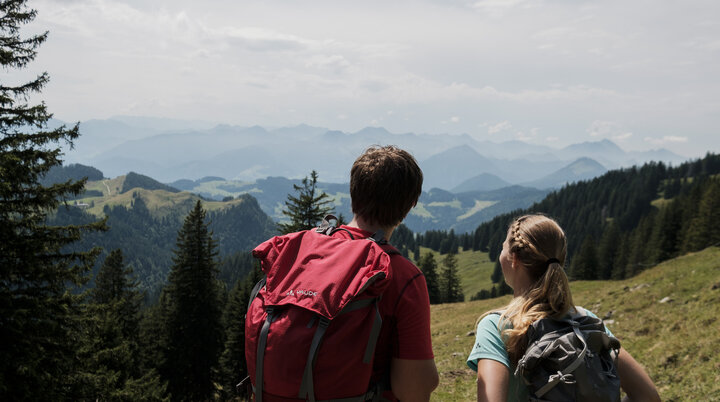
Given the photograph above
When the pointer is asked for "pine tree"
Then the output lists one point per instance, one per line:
(428, 266)
(664, 242)
(111, 352)
(585, 264)
(621, 257)
(193, 313)
(497, 274)
(153, 337)
(233, 367)
(504, 288)
(638, 254)
(704, 230)
(450, 288)
(607, 250)
(306, 209)
(39, 275)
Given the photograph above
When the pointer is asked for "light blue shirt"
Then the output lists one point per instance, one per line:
(489, 345)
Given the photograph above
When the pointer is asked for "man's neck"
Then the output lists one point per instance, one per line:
(360, 223)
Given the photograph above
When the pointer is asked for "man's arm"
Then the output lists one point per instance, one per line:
(413, 380)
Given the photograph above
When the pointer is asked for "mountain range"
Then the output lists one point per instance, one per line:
(170, 150)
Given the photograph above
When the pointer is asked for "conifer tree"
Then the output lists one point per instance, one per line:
(110, 353)
(504, 288)
(306, 209)
(497, 274)
(233, 367)
(664, 240)
(585, 263)
(450, 288)
(428, 266)
(39, 275)
(621, 258)
(607, 250)
(232, 361)
(153, 337)
(704, 230)
(193, 313)
(638, 255)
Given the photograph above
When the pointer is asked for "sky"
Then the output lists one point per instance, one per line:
(640, 73)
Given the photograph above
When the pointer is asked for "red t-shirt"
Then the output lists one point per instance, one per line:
(405, 310)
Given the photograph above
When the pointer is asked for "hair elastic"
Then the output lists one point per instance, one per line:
(550, 261)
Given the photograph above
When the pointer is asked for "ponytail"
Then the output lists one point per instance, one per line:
(538, 243)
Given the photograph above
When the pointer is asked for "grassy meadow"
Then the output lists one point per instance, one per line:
(677, 339)
(474, 269)
(159, 202)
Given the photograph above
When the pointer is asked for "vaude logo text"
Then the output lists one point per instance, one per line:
(300, 292)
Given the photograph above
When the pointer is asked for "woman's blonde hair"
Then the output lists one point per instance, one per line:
(538, 244)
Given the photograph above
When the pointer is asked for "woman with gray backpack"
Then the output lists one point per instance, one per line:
(541, 347)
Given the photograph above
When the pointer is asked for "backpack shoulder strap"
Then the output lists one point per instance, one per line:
(327, 227)
(378, 237)
(255, 291)
(581, 311)
(389, 249)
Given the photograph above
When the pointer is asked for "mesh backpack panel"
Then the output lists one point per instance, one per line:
(570, 360)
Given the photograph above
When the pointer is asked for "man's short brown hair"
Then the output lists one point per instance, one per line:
(385, 183)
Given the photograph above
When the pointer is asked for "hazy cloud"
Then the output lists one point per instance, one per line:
(502, 126)
(525, 137)
(668, 139)
(258, 39)
(608, 129)
(622, 137)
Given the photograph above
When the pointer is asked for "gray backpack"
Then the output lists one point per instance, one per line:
(570, 360)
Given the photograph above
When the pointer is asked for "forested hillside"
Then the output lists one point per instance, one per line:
(617, 224)
(627, 219)
(146, 237)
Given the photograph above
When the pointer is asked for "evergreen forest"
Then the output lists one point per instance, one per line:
(617, 224)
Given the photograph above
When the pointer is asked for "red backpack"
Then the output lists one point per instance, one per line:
(313, 322)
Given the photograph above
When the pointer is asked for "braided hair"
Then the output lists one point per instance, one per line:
(539, 245)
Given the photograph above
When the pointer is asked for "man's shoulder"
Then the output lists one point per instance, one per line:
(403, 268)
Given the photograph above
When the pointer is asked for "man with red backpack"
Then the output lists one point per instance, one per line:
(341, 315)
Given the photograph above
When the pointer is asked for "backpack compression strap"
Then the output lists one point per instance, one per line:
(262, 342)
(307, 390)
(565, 375)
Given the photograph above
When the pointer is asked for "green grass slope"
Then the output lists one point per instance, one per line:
(677, 341)
(474, 269)
(160, 202)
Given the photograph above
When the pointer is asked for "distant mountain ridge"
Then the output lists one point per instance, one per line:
(581, 169)
(481, 182)
(437, 209)
(250, 153)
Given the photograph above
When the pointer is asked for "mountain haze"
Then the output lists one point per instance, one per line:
(481, 182)
(167, 154)
(581, 169)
